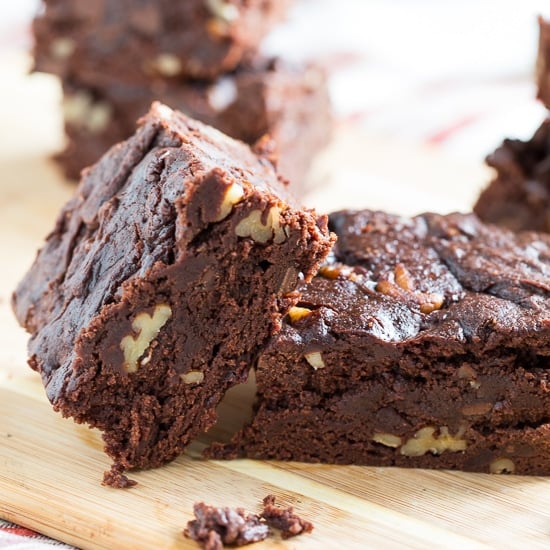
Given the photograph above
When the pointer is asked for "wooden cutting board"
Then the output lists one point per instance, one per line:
(50, 468)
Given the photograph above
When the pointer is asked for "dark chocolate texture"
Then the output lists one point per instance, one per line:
(268, 97)
(139, 40)
(519, 195)
(425, 342)
(165, 274)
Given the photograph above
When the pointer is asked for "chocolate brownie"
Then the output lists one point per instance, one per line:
(424, 342)
(519, 195)
(214, 527)
(165, 274)
(137, 40)
(543, 63)
(288, 102)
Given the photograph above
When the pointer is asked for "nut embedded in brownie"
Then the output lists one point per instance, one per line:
(166, 273)
(425, 343)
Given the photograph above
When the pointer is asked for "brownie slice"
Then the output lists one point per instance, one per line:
(519, 195)
(137, 40)
(164, 276)
(425, 342)
(288, 102)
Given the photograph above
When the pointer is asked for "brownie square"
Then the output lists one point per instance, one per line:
(138, 40)
(165, 274)
(289, 103)
(424, 342)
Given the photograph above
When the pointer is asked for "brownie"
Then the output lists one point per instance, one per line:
(424, 342)
(518, 197)
(288, 102)
(542, 72)
(164, 276)
(137, 40)
(214, 527)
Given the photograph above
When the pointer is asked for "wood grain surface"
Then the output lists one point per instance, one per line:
(50, 468)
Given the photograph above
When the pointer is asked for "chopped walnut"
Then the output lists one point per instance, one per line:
(425, 441)
(147, 328)
(296, 313)
(402, 288)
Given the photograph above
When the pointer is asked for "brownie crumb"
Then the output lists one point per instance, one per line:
(215, 526)
(284, 519)
(115, 478)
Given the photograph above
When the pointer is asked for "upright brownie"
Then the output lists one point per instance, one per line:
(424, 343)
(164, 276)
(136, 40)
(289, 103)
(519, 196)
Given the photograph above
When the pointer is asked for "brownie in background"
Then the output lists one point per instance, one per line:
(199, 56)
(519, 195)
(268, 99)
(99, 41)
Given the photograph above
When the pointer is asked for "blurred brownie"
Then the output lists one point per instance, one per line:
(519, 195)
(164, 276)
(137, 40)
(287, 102)
(424, 343)
(542, 72)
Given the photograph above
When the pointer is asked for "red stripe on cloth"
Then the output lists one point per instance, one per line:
(17, 530)
(444, 134)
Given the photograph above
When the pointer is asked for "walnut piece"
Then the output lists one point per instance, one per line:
(315, 359)
(192, 377)
(424, 441)
(147, 328)
(502, 466)
(167, 64)
(233, 195)
(400, 285)
(389, 440)
(62, 48)
(80, 109)
(253, 227)
(296, 313)
(222, 10)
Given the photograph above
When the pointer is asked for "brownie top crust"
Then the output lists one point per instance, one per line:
(434, 277)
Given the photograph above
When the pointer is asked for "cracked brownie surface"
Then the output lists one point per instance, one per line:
(423, 342)
(164, 276)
